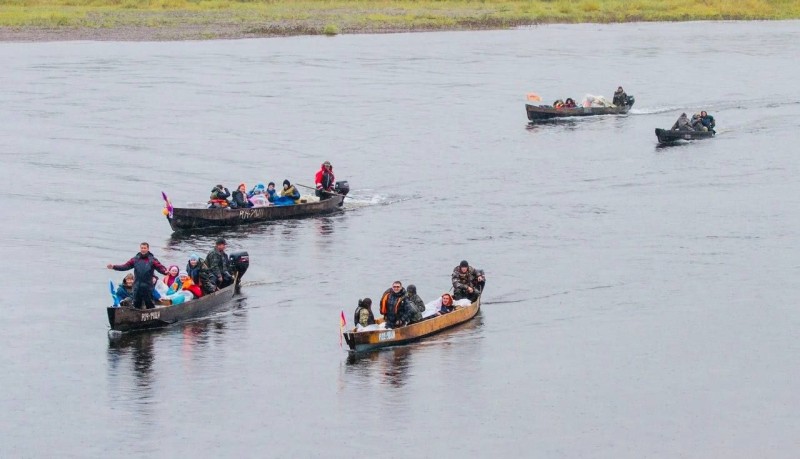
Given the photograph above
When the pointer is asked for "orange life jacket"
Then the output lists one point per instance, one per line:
(385, 300)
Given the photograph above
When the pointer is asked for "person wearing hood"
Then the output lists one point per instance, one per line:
(417, 306)
(394, 306)
(143, 264)
(125, 290)
(239, 198)
(166, 282)
(201, 276)
(620, 98)
(289, 191)
(446, 304)
(363, 315)
(683, 124)
(325, 181)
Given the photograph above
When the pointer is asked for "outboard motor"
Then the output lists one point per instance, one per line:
(631, 100)
(240, 261)
(342, 187)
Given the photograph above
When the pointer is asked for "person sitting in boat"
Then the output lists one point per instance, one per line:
(447, 304)
(620, 98)
(258, 189)
(186, 283)
(220, 265)
(569, 103)
(415, 303)
(201, 276)
(325, 181)
(683, 124)
(164, 284)
(182, 290)
(558, 104)
(708, 121)
(143, 264)
(464, 282)
(289, 191)
(363, 315)
(697, 123)
(219, 197)
(239, 199)
(276, 199)
(394, 306)
(125, 290)
(258, 196)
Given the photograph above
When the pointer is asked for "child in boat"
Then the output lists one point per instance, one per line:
(182, 290)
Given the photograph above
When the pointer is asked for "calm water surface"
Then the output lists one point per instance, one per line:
(642, 301)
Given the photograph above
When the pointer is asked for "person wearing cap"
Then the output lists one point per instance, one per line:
(325, 181)
(363, 315)
(394, 306)
(201, 276)
(417, 306)
(620, 98)
(220, 265)
(289, 191)
(219, 197)
(464, 278)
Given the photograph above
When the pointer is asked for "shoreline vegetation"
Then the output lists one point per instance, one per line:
(161, 20)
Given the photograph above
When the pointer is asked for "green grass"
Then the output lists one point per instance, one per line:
(342, 16)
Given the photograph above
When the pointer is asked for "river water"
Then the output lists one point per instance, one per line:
(641, 301)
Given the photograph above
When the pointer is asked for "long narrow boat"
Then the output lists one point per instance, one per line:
(374, 339)
(671, 136)
(183, 219)
(124, 318)
(548, 112)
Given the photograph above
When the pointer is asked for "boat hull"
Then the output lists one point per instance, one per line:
(670, 136)
(374, 339)
(546, 112)
(184, 219)
(129, 319)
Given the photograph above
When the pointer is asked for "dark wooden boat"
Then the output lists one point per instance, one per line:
(670, 136)
(548, 112)
(125, 318)
(183, 219)
(374, 339)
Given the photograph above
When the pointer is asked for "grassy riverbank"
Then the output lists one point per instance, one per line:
(205, 19)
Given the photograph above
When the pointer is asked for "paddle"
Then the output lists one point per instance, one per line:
(314, 188)
(113, 293)
(167, 204)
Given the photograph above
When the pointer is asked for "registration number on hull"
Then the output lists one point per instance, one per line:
(386, 335)
(150, 315)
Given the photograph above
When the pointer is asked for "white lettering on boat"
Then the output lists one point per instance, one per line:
(386, 335)
(246, 214)
(150, 315)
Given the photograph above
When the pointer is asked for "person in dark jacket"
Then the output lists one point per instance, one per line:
(290, 191)
(683, 124)
(239, 198)
(325, 181)
(219, 197)
(125, 290)
(394, 306)
(464, 282)
(417, 306)
(620, 98)
(198, 270)
(144, 264)
(447, 304)
(708, 121)
(363, 315)
(220, 264)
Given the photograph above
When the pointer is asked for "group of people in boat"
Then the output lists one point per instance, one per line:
(699, 122)
(143, 288)
(403, 306)
(620, 99)
(263, 196)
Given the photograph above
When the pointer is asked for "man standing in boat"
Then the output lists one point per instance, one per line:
(219, 264)
(325, 181)
(143, 264)
(464, 281)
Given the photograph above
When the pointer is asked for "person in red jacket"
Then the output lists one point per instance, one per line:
(325, 181)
